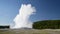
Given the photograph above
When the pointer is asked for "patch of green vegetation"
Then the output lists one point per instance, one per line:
(47, 24)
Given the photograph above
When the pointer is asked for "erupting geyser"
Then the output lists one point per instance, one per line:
(22, 19)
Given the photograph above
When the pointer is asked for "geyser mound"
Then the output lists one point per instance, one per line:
(22, 19)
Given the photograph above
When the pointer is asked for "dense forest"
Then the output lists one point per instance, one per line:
(47, 24)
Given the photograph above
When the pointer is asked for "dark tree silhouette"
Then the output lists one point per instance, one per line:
(47, 24)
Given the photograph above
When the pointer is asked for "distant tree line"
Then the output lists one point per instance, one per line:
(47, 24)
(4, 27)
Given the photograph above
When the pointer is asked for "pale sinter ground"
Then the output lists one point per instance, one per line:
(29, 31)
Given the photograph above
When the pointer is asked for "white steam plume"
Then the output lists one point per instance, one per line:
(22, 19)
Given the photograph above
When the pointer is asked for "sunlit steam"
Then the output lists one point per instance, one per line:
(22, 19)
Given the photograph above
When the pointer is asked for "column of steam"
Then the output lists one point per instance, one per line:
(22, 19)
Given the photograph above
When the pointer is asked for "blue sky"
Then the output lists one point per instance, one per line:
(45, 10)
